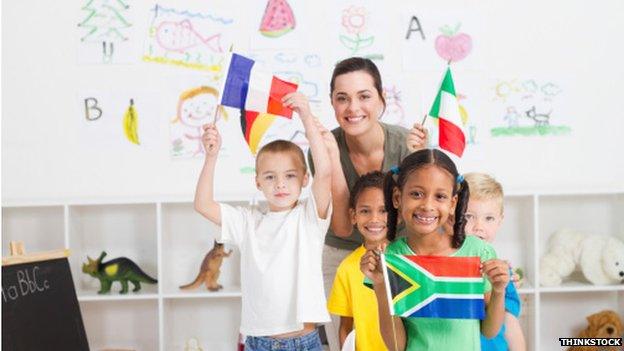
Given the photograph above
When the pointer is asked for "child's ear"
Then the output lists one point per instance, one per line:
(306, 178)
(258, 183)
(352, 214)
(396, 198)
(453, 205)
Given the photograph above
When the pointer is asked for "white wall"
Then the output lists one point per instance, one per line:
(45, 154)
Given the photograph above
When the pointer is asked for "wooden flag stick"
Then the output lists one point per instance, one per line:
(216, 114)
(396, 344)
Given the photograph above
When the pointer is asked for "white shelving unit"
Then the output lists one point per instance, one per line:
(169, 240)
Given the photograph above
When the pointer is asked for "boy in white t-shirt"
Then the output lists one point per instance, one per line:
(281, 276)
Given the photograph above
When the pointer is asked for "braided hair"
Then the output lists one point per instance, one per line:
(397, 177)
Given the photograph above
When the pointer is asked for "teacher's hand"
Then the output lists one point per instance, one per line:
(417, 138)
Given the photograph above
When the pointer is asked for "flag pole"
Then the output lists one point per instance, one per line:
(216, 114)
(396, 344)
(448, 63)
(382, 259)
(217, 109)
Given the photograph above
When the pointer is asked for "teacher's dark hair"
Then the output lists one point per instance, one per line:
(354, 64)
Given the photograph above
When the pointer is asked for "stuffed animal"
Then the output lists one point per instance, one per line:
(601, 258)
(604, 324)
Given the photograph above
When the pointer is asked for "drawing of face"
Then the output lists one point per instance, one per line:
(197, 110)
(356, 102)
(168, 35)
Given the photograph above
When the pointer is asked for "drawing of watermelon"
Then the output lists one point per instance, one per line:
(278, 19)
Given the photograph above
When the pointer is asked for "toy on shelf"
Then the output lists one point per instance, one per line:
(600, 257)
(209, 270)
(120, 269)
(192, 345)
(604, 324)
(518, 277)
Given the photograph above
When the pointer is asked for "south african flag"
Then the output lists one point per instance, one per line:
(434, 286)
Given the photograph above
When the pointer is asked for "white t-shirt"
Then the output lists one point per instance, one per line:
(281, 275)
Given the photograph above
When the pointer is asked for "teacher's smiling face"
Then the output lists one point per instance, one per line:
(356, 102)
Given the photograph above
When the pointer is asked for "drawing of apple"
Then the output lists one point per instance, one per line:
(451, 45)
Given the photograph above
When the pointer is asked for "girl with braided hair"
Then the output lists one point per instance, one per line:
(429, 196)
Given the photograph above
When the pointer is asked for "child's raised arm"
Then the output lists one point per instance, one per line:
(204, 194)
(321, 184)
(340, 219)
(497, 271)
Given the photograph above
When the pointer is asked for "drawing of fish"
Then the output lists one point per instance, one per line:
(181, 36)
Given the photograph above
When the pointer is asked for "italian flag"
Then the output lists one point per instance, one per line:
(446, 109)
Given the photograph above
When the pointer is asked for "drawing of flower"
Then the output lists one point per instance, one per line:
(354, 19)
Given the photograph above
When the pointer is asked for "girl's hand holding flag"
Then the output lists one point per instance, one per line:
(370, 265)
(497, 272)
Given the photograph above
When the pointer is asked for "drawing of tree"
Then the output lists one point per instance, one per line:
(104, 20)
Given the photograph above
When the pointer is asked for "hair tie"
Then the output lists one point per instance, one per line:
(394, 170)
(460, 178)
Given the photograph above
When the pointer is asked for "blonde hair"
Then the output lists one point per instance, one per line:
(485, 187)
(286, 147)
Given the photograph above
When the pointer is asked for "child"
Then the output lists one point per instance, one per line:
(350, 299)
(281, 278)
(426, 192)
(484, 217)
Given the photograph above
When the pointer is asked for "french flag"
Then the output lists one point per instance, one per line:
(247, 88)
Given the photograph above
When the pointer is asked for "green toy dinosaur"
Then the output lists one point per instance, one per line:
(122, 269)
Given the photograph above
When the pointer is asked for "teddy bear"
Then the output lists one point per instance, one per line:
(604, 324)
(601, 258)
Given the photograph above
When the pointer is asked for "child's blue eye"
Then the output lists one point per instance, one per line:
(468, 216)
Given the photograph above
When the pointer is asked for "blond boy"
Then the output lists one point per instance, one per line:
(281, 249)
(484, 217)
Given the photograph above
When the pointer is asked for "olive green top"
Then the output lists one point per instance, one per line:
(395, 150)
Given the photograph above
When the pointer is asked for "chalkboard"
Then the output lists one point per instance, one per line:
(40, 309)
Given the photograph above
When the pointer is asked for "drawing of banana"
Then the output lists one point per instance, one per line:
(130, 124)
